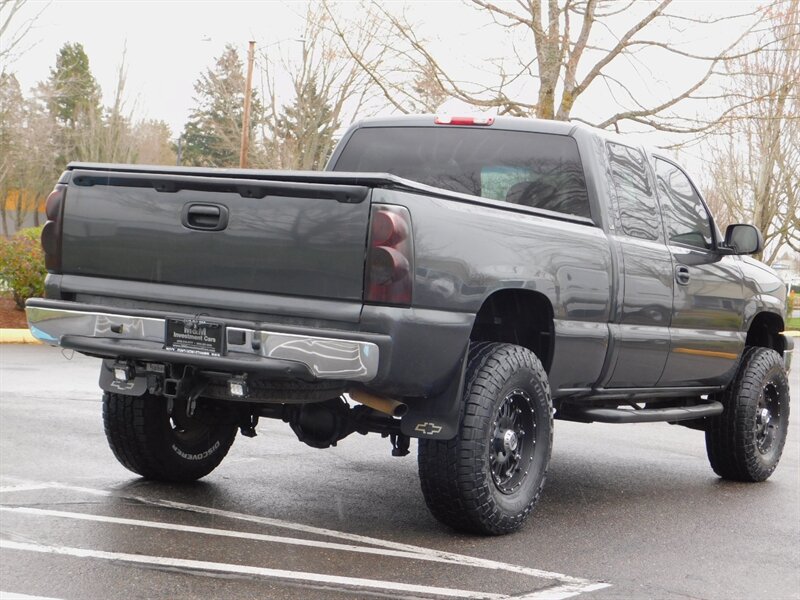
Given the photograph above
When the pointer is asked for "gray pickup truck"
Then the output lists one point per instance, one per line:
(462, 281)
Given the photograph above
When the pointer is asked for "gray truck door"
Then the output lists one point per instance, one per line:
(706, 337)
(641, 328)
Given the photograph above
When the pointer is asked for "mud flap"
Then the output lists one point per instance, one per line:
(134, 387)
(788, 346)
(437, 417)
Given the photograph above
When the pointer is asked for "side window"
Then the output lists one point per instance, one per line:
(635, 195)
(685, 216)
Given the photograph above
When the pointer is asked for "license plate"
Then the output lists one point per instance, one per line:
(195, 337)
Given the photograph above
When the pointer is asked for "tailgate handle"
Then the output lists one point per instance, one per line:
(205, 217)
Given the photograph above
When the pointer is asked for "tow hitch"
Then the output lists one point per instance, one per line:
(188, 388)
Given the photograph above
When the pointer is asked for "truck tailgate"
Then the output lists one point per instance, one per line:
(279, 237)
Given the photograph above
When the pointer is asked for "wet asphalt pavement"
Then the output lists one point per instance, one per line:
(635, 507)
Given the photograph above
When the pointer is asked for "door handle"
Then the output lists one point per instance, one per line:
(205, 217)
(682, 275)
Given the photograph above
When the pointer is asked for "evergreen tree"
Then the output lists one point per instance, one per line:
(212, 136)
(72, 97)
(74, 93)
(307, 127)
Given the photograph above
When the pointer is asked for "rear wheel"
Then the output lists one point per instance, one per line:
(155, 443)
(746, 441)
(489, 477)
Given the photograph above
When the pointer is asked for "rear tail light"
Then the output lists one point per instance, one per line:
(52, 230)
(390, 256)
(448, 120)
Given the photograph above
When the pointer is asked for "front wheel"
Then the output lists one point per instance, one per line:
(489, 477)
(746, 441)
(156, 443)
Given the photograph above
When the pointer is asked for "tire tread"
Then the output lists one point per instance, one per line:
(133, 435)
(731, 448)
(448, 467)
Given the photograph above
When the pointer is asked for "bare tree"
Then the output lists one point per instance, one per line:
(560, 49)
(755, 150)
(28, 152)
(40, 134)
(152, 143)
(13, 30)
(328, 87)
(112, 138)
(12, 112)
(428, 93)
(43, 149)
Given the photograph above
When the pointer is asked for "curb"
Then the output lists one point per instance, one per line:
(17, 336)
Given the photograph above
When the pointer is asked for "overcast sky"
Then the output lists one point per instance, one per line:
(169, 43)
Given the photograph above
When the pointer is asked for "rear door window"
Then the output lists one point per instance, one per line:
(532, 169)
(636, 198)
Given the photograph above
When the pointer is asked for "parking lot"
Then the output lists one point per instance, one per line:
(628, 512)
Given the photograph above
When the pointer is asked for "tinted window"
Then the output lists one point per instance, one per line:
(533, 169)
(636, 198)
(684, 214)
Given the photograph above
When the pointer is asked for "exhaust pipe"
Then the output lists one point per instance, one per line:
(384, 405)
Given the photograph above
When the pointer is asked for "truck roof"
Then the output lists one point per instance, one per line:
(511, 123)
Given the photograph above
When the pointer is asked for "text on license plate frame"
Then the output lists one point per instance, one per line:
(190, 336)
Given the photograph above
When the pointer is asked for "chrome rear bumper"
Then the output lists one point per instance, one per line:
(137, 336)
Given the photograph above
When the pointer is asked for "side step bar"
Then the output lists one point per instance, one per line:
(644, 415)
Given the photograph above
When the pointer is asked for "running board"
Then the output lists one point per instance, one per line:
(644, 415)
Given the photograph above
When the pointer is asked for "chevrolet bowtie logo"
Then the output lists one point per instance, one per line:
(428, 428)
(123, 386)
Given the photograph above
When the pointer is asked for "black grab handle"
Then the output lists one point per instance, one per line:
(205, 217)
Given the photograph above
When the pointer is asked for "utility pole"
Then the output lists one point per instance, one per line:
(248, 91)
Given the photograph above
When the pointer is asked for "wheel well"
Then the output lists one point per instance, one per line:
(519, 317)
(765, 331)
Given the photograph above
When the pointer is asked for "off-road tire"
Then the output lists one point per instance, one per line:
(736, 440)
(456, 475)
(148, 441)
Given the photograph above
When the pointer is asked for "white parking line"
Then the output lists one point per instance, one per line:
(565, 585)
(561, 592)
(202, 565)
(259, 537)
(461, 559)
(15, 596)
(24, 487)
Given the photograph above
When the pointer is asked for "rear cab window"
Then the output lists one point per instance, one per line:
(538, 170)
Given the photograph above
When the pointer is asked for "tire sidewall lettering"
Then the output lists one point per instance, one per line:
(196, 456)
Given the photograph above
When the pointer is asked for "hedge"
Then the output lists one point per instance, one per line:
(22, 265)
